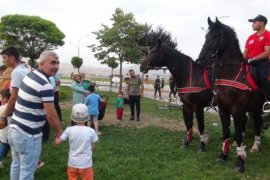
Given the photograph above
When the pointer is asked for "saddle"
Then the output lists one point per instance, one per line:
(252, 77)
(250, 85)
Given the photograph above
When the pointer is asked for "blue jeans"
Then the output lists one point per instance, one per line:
(4, 148)
(25, 155)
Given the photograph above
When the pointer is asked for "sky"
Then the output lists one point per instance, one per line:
(185, 19)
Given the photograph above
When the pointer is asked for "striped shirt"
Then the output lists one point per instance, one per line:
(29, 115)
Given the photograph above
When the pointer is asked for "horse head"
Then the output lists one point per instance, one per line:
(213, 42)
(154, 59)
(220, 43)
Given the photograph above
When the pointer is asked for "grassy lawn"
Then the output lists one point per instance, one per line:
(151, 152)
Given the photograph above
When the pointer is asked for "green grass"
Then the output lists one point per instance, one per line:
(153, 153)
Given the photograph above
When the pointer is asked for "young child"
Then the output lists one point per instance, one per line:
(92, 101)
(119, 106)
(82, 141)
(4, 146)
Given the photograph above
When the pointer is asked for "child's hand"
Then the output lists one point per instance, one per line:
(57, 140)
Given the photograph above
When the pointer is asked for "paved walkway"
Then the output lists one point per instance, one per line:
(148, 91)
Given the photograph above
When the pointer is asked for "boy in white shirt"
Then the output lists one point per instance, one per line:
(81, 143)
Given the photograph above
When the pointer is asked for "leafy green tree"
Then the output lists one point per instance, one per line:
(121, 40)
(111, 62)
(30, 34)
(77, 62)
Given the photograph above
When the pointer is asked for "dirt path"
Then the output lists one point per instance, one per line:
(146, 120)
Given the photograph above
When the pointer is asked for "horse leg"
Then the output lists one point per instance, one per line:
(258, 126)
(239, 124)
(203, 136)
(245, 118)
(188, 118)
(225, 121)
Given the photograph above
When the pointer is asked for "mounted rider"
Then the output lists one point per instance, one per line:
(257, 54)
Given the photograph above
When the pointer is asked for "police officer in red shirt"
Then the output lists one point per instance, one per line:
(257, 53)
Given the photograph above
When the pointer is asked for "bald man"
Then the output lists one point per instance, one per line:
(35, 103)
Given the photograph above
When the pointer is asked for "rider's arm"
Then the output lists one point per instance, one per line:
(245, 53)
(264, 55)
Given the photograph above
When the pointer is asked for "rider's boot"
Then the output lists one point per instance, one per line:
(266, 90)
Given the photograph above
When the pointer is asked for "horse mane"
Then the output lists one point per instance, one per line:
(174, 52)
(231, 36)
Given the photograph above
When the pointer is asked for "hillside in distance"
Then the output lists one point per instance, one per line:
(66, 69)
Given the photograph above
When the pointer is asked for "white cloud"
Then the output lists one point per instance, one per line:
(183, 18)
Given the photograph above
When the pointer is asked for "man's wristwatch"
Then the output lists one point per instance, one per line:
(3, 118)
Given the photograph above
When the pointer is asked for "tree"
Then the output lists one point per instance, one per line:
(30, 34)
(111, 61)
(120, 41)
(77, 62)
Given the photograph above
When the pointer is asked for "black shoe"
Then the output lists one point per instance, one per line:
(266, 107)
(132, 118)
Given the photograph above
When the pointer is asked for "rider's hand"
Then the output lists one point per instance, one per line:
(251, 60)
(248, 61)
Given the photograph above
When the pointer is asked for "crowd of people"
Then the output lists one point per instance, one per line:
(30, 105)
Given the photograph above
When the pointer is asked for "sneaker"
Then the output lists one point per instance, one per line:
(266, 107)
(40, 164)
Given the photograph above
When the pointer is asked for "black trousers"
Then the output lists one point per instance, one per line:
(262, 73)
(135, 101)
(173, 90)
(46, 132)
(57, 106)
(159, 92)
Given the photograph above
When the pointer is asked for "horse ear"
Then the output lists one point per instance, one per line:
(210, 23)
(217, 21)
(159, 42)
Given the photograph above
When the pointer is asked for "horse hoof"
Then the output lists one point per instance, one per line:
(202, 146)
(201, 150)
(222, 158)
(254, 151)
(186, 142)
(184, 146)
(240, 169)
(240, 165)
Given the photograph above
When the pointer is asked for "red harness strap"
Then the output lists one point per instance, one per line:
(232, 83)
(191, 89)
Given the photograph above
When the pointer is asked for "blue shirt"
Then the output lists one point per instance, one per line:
(92, 101)
(18, 74)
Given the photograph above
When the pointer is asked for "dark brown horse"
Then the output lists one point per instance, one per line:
(191, 81)
(234, 94)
